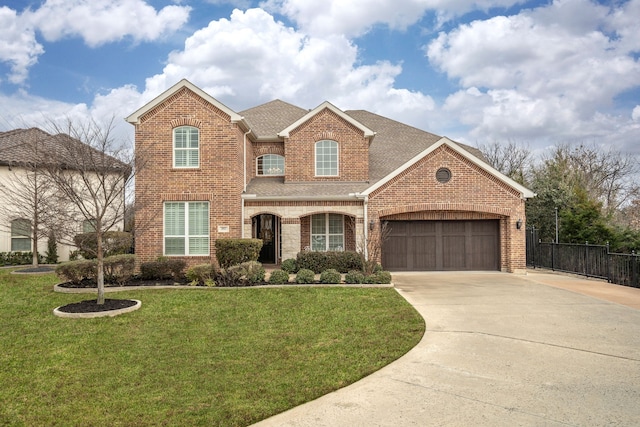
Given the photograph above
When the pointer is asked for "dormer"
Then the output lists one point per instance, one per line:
(326, 145)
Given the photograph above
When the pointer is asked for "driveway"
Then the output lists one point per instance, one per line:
(499, 350)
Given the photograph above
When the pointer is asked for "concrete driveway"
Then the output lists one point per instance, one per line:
(499, 350)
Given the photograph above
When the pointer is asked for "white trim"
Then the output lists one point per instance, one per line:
(315, 154)
(186, 235)
(187, 149)
(368, 133)
(268, 175)
(135, 117)
(525, 192)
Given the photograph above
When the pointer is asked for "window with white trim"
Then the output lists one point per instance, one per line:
(327, 232)
(326, 158)
(186, 228)
(89, 226)
(270, 164)
(20, 235)
(186, 147)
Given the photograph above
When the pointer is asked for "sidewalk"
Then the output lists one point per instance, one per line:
(596, 288)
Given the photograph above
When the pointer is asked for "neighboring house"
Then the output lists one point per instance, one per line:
(321, 179)
(24, 156)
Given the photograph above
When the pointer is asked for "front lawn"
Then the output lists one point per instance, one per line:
(210, 357)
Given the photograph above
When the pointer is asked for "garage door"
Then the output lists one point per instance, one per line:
(442, 246)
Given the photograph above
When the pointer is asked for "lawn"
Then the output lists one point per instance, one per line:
(210, 357)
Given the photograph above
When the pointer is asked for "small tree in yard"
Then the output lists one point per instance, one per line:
(370, 249)
(90, 173)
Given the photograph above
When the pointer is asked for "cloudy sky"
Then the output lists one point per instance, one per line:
(477, 71)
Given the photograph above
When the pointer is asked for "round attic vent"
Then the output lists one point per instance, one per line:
(443, 175)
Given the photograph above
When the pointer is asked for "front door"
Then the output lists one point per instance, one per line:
(267, 228)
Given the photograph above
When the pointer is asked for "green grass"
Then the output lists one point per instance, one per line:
(198, 357)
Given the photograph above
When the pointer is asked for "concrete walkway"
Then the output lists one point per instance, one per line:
(501, 350)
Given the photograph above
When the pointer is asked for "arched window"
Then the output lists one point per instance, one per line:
(186, 147)
(270, 164)
(20, 235)
(326, 158)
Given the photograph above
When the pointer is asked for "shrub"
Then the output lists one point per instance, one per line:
(119, 268)
(330, 276)
(228, 277)
(236, 251)
(381, 277)
(343, 261)
(114, 243)
(354, 277)
(77, 271)
(163, 268)
(305, 276)
(201, 274)
(290, 266)
(279, 277)
(251, 272)
(16, 258)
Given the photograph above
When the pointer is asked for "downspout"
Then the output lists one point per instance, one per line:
(366, 227)
(244, 187)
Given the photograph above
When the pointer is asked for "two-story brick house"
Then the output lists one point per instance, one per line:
(321, 179)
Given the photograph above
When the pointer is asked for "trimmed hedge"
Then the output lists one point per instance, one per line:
(343, 261)
(330, 276)
(163, 268)
(119, 269)
(236, 251)
(77, 271)
(17, 258)
(113, 243)
(305, 276)
(290, 266)
(354, 277)
(201, 274)
(279, 277)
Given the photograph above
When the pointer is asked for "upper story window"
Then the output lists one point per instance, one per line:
(326, 158)
(89, 226)
(20, 235)
(271, 164)
(186, 147)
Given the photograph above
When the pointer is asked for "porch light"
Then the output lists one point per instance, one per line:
(372, 225)
(519, 224)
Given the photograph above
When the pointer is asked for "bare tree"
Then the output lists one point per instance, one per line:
(28, 191)
(512, 159)
(370, 248)
(90, 171)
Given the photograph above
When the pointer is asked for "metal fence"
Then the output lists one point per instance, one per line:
(587, 260)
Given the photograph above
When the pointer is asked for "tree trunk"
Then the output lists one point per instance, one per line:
(100, 256)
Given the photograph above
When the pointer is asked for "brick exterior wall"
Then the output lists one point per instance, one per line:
(353, 149)
(471, 193)
(218, 180)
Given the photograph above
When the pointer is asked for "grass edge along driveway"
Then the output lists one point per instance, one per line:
(199, 357)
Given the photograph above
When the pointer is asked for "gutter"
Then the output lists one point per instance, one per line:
(244, 187)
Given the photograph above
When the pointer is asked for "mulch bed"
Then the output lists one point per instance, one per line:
(91, 306)
(133, 282)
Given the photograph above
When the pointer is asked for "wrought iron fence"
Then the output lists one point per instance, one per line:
(587, 260)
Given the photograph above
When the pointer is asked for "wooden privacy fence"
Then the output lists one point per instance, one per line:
(584, 259)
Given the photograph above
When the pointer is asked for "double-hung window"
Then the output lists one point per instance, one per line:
(20, 235)
(186, 228)
(186, 147)
(327, 232)
(326, 158)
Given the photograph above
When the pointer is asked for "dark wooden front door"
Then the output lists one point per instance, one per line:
(442, 246)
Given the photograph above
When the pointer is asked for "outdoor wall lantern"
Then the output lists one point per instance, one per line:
(372, 225)
(519, 224)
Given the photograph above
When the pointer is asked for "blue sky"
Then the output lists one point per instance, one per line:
(478, 71)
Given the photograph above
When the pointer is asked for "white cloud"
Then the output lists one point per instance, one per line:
(251, 58)
(19, 46)
(635, 114)
(550, 72)
(104, 21)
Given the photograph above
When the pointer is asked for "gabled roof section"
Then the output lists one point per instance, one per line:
(184, 83)
(368, 133)
(268, 119)
(525, 192)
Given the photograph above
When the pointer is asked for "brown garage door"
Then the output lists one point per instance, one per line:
(442, 246)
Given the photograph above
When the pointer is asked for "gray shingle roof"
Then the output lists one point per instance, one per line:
(33, 145)
(395, 144)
